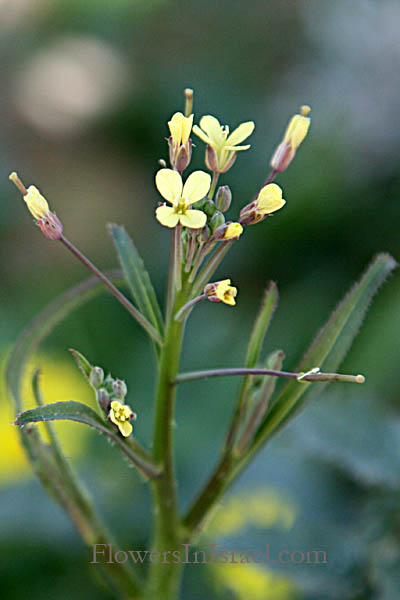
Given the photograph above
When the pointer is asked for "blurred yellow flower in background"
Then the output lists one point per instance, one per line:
(263, 508)
(249, 582)
(60, 380)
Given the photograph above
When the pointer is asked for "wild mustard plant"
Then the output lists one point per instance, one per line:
(193, 207)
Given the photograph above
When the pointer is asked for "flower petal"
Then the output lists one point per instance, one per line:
(241, 133)
(196, 186)
(237, 148)
(125, 428)
(187, 125)
(200, 133)
(194, 219)
(270, 199)
(297, 130)
(212, 127)
(169, 184)
(167, 216)
(229, 299)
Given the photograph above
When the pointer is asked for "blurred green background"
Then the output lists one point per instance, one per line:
(87, 88)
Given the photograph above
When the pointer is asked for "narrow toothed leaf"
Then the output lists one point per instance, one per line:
(329, 347)
(137, 276)
(81, 413)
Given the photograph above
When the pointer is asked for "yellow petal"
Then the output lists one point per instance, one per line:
(187, 125)
(115, 405)
(175, 127)
(167, 216)
(237, 148)
(180, 128)
(200, 133)
(196, 186)
(125, 428)
(297, 130)
(113, 417)
(229, 299)
(194, 219)
(233, 230)
(169, 184)
(36, 203)
(212, 127)
(240, 133)
(270, 199)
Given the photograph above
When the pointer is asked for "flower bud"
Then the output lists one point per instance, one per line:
(228, 231)
(96, 377)
(217, 220)
(120, 389)
(204, 235)
(295, 133)
(223, 198)
(209, 208)
(103, 399)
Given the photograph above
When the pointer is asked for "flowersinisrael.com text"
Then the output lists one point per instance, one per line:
(104, 553)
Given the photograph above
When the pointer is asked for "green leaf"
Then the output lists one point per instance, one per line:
(83, 364)
(261, 324)
(42, 325)
(329, 347)
(77, 411)
(137, 276)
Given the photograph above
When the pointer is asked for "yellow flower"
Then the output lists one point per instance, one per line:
(295, 133)
(169, 184)
(234, 230)
(223, 146)
(221, 291)
(269, 200)
(120, 415)
(180, 128)
(36, 203)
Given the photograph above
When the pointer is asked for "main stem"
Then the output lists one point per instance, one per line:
(164, 577)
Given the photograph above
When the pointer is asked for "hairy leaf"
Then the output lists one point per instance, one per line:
(137, 276)
(329, 347)
(77, 411)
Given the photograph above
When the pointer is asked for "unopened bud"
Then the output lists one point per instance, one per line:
(204, 235)
(223, 198)
(103, 399)
(96, 377)
(228, 231)
(120, 389)
(209, 208)
(217, 220)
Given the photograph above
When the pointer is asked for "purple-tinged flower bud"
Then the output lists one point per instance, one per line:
(119, 388)
(96, 377)
(223, 198)
(228, 231)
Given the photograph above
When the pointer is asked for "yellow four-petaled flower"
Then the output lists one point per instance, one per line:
(120, 415)
(269, 199)
(224, 145)
(180, 128)
(181, 197)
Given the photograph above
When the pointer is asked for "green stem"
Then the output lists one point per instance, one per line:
(72, 496)
(163, 578)
(213, 185)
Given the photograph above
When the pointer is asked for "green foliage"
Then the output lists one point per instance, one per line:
(137, 277)
(329, 347)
